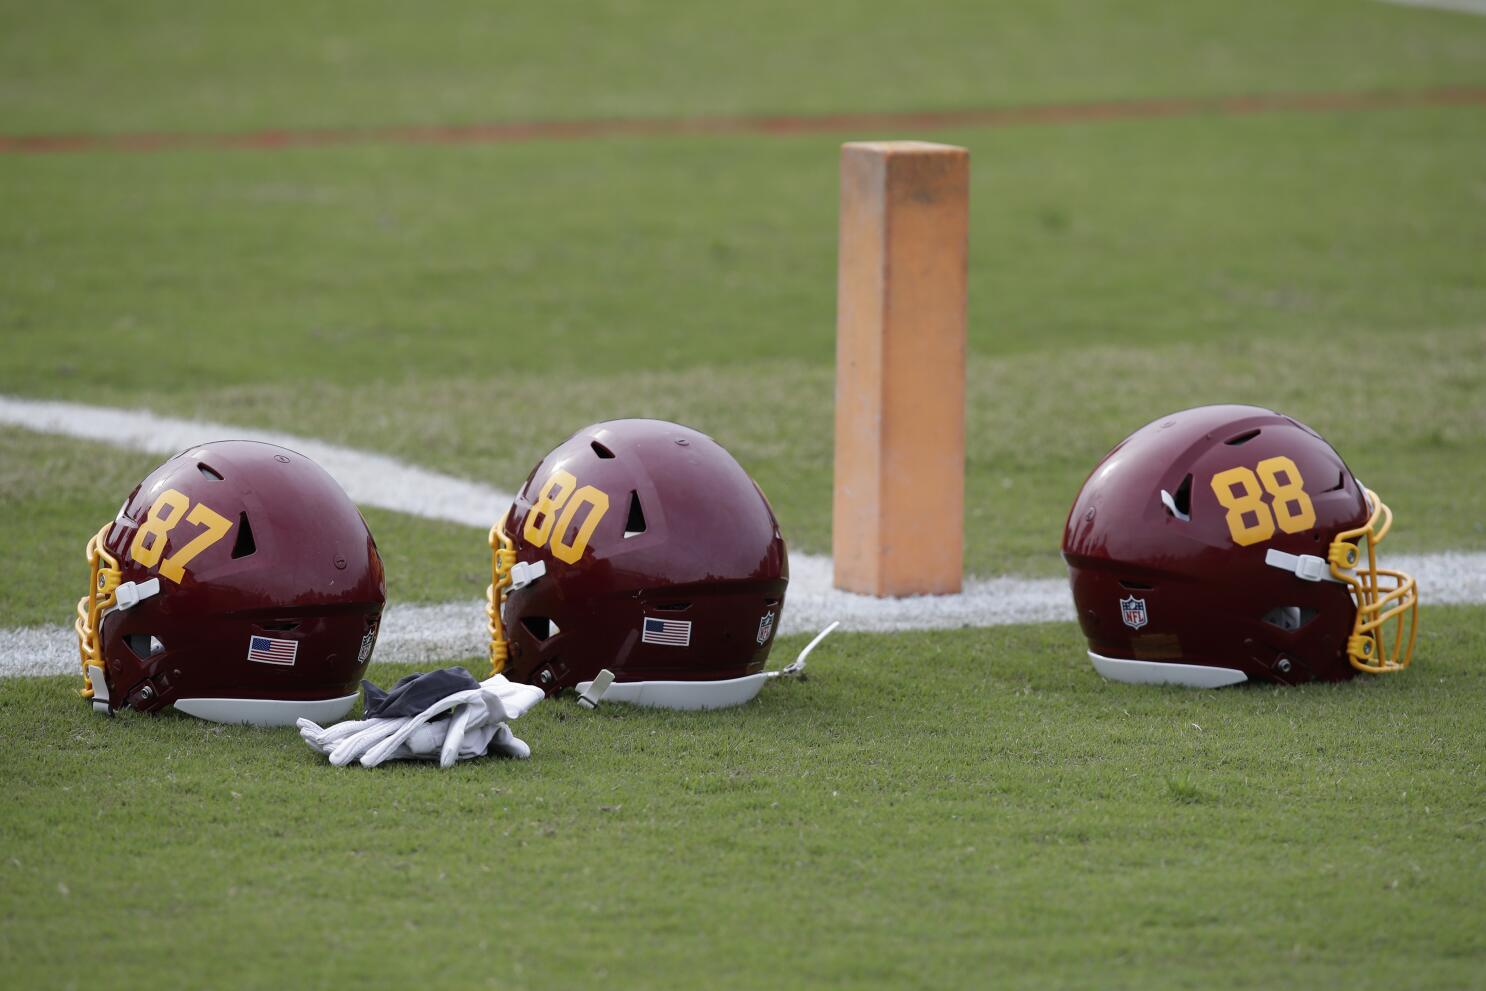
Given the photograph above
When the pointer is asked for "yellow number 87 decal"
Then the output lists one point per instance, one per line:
(1238, 492)
(543, 518)
(164, 514)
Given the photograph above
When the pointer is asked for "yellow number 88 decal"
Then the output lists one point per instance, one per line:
(556, 508)
(1238, 491)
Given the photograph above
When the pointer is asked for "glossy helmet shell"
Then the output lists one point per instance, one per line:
(296, 564)
(1199, 597)
(685, 539)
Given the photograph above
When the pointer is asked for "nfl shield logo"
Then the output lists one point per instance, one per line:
(1132, 611)
(765, 628)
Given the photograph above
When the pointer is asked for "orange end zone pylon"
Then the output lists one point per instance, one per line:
(898, 517)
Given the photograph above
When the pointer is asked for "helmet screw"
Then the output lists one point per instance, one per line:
(282, 459)
(146, 693)
(545, 677)
(1284, 665)
(683, 441)
(1089, 516)
(340, 563)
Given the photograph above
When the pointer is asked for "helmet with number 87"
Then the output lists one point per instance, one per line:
(237, 583)
(641, 547)
(1228, 543)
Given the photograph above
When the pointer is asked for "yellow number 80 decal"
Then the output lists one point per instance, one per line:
(548, 515)
(1239, 492)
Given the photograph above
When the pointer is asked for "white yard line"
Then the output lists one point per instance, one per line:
(1477, 7)
(426, 634)
(369, 479)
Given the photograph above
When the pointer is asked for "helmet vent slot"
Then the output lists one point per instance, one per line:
(244, 544)
(1289, 617)
(209, 471)
(1341, 481)
(1179, 505)
(634, 525)
(540, 627)
(282, 626)
(1242, 438)
(672, 606)
(600, 449)
(1135, 586)
(771, 603)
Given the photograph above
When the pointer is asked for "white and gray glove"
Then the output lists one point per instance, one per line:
(476, 726)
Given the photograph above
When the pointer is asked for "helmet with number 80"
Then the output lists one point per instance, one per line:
(641, 547)
(237, 583)
(1228, 543)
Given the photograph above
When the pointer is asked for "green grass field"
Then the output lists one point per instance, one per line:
(972, 808)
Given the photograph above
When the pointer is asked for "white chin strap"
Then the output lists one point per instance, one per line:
(690, 695)
(100, 689)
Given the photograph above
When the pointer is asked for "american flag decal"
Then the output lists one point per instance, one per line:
(671, 632)
(267, 650)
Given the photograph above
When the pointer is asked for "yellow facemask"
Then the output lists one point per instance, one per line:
(1387, 601)
(102, 596)
(502, 560)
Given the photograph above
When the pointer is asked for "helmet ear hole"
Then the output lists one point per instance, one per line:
(540, 627)
(143, 645)
(1289, 618)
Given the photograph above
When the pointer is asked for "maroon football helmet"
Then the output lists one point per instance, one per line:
(237, 583)
(641, 547)
(1228, 543)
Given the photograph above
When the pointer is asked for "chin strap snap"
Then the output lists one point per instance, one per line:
(1307, 567)
(131, 594)
(523, 573)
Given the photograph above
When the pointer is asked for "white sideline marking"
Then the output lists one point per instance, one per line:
(1477, 7)
(426, 634)
(455, 630)
(369, 479)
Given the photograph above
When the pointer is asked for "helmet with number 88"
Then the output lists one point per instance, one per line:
(1228, 543)
(641, 547)
(237, 583)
